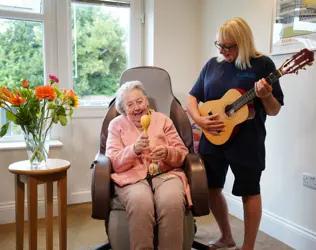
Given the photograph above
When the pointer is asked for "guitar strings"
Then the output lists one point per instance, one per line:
(250, 94)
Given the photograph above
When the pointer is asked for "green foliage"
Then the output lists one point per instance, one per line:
(100, 57)
(20, 53)
(100, 53)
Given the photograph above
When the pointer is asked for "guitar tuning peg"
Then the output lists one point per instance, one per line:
(296, 72)
(304, 68)
(310, 64)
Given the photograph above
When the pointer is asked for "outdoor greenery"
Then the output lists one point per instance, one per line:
(99, 55)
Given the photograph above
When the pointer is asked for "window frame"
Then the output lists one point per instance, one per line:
(136, 46)
(48, 20)
(57, 49)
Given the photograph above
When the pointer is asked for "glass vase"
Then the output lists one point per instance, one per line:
(37, 141)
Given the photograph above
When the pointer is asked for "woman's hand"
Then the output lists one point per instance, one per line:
(263, 89)
(141, 144)
(211, 123)
(159, 153)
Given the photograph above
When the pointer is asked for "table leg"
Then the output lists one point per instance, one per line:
(32, 211)
(19, 211)
(49, 214)
(62, 211)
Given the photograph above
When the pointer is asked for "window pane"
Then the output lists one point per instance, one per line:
(34, 6)
(21, 55)
(100, 51)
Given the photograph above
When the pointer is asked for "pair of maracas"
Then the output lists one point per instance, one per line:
(153, 167)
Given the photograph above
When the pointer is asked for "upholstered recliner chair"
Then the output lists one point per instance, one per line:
(105, 206)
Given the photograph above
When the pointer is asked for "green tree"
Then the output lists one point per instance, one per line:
(21, 55)
(99, 55)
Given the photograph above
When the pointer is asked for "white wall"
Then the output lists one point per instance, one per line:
(174, 44)
(289, 208)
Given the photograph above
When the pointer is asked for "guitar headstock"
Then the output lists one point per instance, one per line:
(297, 62)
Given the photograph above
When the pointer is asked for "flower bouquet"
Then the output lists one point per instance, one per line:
(35, 111)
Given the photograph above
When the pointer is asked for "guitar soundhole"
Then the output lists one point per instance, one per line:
(229, 111)
(210, 113)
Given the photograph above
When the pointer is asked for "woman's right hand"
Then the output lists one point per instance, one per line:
(141, 144)
(211, 123)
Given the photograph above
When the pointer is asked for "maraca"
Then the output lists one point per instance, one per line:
(145, 121)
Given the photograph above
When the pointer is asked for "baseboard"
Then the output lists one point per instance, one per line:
(291, 234)
(7, 210)
(79, 197)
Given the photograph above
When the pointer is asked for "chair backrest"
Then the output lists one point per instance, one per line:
(157, 84)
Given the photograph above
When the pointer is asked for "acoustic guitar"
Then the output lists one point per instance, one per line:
(234, 107)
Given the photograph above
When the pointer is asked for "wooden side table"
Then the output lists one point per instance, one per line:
(53, 170)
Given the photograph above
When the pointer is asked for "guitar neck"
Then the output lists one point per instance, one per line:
(251, 94)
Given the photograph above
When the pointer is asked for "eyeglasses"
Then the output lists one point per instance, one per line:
(226, 48)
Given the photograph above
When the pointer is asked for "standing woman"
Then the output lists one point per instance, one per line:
(239, 65)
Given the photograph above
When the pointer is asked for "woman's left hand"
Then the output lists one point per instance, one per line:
(263, 89)
(159, 153)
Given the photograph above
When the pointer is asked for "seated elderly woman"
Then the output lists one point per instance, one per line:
(148, 200)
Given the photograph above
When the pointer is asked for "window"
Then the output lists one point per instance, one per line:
(22, 43)
(34, 6)
(100, 49)
(86, 43)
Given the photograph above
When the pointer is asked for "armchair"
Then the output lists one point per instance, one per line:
(105, 206)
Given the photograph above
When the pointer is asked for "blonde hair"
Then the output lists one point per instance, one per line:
(127, 87)
(236, 30)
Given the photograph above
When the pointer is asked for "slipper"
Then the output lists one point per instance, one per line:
(221, 246)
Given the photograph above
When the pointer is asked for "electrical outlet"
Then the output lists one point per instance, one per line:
(309, 180)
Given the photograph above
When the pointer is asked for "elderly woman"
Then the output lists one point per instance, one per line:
(148, 200)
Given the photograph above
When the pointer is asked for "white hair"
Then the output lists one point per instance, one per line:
(127, 87)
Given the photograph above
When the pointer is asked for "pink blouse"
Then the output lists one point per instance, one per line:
(130, 168)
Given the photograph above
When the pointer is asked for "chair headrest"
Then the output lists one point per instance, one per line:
(157, 84)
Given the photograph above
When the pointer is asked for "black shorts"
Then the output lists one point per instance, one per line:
(247, 180)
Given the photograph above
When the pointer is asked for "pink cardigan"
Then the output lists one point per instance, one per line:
(128, 167)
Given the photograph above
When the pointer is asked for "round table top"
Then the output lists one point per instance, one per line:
(50, 167)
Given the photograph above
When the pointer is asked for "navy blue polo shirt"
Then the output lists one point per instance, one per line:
(247, 146)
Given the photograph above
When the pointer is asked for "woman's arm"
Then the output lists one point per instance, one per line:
(264, 91)
(122, 158)
(212, 123)
(193, 108)
(271, 105)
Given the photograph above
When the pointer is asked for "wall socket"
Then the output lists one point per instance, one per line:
(309, 180)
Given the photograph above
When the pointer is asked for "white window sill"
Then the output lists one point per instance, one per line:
(7, 146)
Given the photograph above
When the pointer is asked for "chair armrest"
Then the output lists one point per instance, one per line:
(100, 187)
(195, 172)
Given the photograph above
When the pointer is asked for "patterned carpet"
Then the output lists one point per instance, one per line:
(85, 233)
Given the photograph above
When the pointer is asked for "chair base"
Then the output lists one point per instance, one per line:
(196, 245)
(199, 246)
(106, 246)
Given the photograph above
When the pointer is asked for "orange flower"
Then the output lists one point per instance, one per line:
(17, 100)
(75, 101)
(43, 92)
(73, 97)
(5, 94)
(25, 84)
(70, 93)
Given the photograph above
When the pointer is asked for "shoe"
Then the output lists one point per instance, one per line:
(221, 246)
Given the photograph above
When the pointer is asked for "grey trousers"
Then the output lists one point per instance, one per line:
(166, 200)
